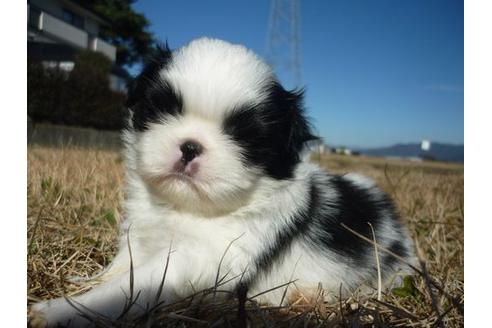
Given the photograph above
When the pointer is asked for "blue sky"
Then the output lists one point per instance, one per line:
(376, 72)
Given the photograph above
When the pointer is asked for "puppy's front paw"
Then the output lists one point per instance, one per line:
(37, 320)
(54, 313)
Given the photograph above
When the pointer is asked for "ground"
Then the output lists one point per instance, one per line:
(74, 197)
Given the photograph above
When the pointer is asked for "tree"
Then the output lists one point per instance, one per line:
(128, 30)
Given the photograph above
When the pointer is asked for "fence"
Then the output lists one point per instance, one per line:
(51, 135)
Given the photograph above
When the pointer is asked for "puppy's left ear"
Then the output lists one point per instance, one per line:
(290, 130)
(297, 127)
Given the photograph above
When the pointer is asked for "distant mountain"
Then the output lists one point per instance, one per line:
(439, 151)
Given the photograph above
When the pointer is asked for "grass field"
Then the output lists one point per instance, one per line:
(74, 198)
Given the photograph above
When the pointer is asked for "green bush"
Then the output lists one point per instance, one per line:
(82, 97)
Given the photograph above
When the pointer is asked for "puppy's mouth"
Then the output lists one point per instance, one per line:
(170, 177)
(186, 169)
(179, 176)
(184, 172)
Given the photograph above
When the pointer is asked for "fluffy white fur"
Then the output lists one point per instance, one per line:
(222, 204)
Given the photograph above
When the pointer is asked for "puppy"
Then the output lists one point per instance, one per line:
(216, 188)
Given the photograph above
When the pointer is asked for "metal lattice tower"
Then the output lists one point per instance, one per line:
(283, 42)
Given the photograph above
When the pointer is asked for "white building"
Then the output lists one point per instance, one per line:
(313, 147)
(58, 29)
(426, 145)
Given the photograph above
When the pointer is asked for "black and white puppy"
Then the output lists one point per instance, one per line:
(214, 174)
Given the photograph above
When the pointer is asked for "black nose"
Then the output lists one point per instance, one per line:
(190, 150)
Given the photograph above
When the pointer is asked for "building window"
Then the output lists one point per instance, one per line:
(73, 19)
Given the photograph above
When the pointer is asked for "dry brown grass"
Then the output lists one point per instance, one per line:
(74, 198)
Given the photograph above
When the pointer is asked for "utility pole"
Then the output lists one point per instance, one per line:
(283, 41)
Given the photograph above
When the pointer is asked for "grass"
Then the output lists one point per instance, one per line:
(74, 198)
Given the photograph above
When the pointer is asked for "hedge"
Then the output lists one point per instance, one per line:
(81, 97)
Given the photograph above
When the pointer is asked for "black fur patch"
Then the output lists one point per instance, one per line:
(284, 237)
(273, 133)
(319, 225)
(354, 208)
(149, 97)
(399, 249)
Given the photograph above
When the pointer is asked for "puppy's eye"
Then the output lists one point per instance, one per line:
(165, 101)
(157, 102)
(244, 126)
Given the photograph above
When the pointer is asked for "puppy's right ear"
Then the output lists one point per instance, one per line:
(140, 88)
(158, 58)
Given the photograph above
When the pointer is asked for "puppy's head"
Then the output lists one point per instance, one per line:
(209, 120)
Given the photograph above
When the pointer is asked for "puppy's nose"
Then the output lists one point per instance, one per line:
(190, 150)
